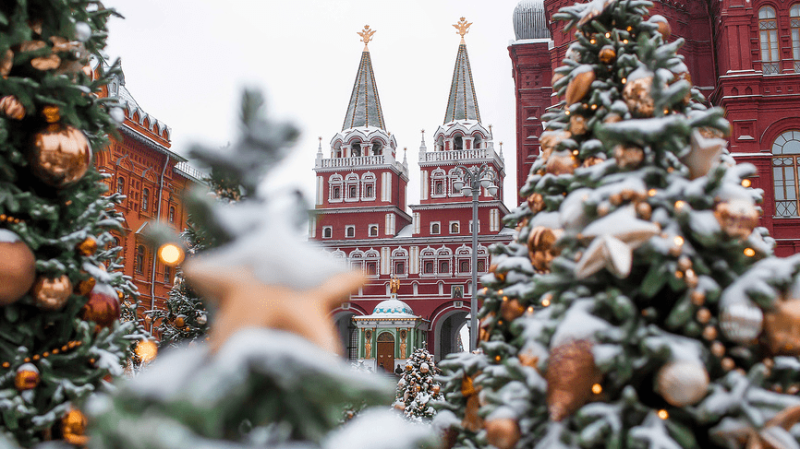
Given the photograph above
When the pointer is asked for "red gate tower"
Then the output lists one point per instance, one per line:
(743, 55)
(418, 267)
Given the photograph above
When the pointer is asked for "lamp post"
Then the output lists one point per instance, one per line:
(473, 178)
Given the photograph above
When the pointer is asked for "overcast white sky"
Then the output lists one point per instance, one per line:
(187, 61)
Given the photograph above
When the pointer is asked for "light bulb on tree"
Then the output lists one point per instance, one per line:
(170, 254)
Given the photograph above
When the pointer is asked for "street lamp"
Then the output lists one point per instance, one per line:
(472, 179)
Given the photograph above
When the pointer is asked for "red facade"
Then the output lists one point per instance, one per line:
(744, 55)
(153, 179)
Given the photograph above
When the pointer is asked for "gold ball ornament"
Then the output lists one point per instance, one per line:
(52, 294)
(664, 29)
(556, 78)
(682, 383)
(561, 163)
(146, 351)
(782, 328)
(511, 309)
(542, 247)
(17, 268)
(579, 86)
(607, 54)
(409, 367)
(73, 428)
(577, 124)
(61, 154)
(85, 286)
(180, 321)
(637, 96)
(628, 156)
(502, 433)
(536, 203)
(737, 217)
(571, 372)
(27, 377)
(436, 389)
(6, 63)
(644, 210)
(102, 307)
(424, 368)
(87, 247)
(549, 140)
(12, 108)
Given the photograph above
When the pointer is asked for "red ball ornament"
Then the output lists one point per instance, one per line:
(102, 306)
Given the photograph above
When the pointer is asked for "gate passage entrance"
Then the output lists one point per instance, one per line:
(386, 351)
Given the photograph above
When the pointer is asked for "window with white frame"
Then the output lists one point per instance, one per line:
(356, 259)
(371, 262)
(327, 232)
(351, 187)
(768, 34)
(350, 231)
(444, 260)
(477, 140)
(785, 167)
(368, 186)
(479, 226)
(794, 17)
(373, 230)
(428, 262)
(399, 262)
(463, 259)
(454, 175)
(335, 183)
(483, 259)
(436, 228)
(455, 227)
(438, 184)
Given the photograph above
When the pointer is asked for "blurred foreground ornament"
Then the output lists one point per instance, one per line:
(502, 433)
(6, 63)
(102, 307)
(637, 95)
(472, 421)
(571, 372)
(73, 428)
(542, 247)
(550, 140)
(561, 163)
(180, 321)
(171, 254)
(61, 154)
(773, 435)
(782, 328)
(615, 237)
(664, 29)
(17, 268)
(607, 54)
(594, 9)
(580, 85)
(682, 382)
(741, 322)
(704, 155)
(146, 351)
(51, 294)
(737, 217)
(628, 156)
(87, 247)
(577, 124)
(27, 377)
(85, 286)
(12, 108)
(536, 203)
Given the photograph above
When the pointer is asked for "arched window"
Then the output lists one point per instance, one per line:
(435, 228)
(121, 185)
(477, 141)
(443, 258)
(458, 142)
(145, 199)
(355, 150)
(453, 176)
(768, 28)
(327, 232)
(357, 260)
(377, 148)
(428, 261)
(335, 190)
(351, 183)
(373, 230)
(785, 155)
(172, 214)
(454, 227)
(167, 275)
(138, 263)
(438, 183)
(368, 186)
(399, 262)
(372, 262)
(794, 15)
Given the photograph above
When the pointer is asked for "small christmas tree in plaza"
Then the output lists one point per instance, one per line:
(417, 387)
(59, 291)
(269, 375)
(638, 306)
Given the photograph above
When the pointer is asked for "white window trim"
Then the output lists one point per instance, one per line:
(439, 223)
(323, 232)
(369, 230)
(353, 227)
(347, 197)
(450, 227)
(368, 179)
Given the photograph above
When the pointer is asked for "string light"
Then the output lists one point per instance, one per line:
(45, 354)
(663, 414)
(593, 41)
(546, 302)
(652, 192)
(597, 388)
(530, 309)
(746, 183)
(625, 41)
(679, 240)
(594, 107)
(624, 80)
(608, 35)
(170, 254)
(679, 205)
(749, 252)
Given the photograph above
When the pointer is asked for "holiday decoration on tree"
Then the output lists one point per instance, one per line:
(269, 375)
(417, 387)
(657, 316)
(55, 220)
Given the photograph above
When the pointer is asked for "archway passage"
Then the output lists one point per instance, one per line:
(348, 334)
(448, 334)
(385, 351)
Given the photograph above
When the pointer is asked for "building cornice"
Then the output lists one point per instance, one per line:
(356, 210)
(413, 241)
(460, 205)
(150, 143)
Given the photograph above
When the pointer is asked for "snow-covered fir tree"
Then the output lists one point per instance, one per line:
(60, 291)
(639, 305)
(269, 375)
(417, 388)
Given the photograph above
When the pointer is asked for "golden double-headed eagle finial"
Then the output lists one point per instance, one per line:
(394, 284)
(462, 28)
(366, 36)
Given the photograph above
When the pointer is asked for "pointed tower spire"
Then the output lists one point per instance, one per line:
(462, 104)
(364, 108)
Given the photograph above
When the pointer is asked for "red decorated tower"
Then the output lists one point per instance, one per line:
(743, 55)
(418, 267)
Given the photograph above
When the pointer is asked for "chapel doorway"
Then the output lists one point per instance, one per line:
(386, 352)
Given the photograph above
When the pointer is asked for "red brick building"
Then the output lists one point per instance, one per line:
(744, 55)
(360, 216)
(152, 178)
